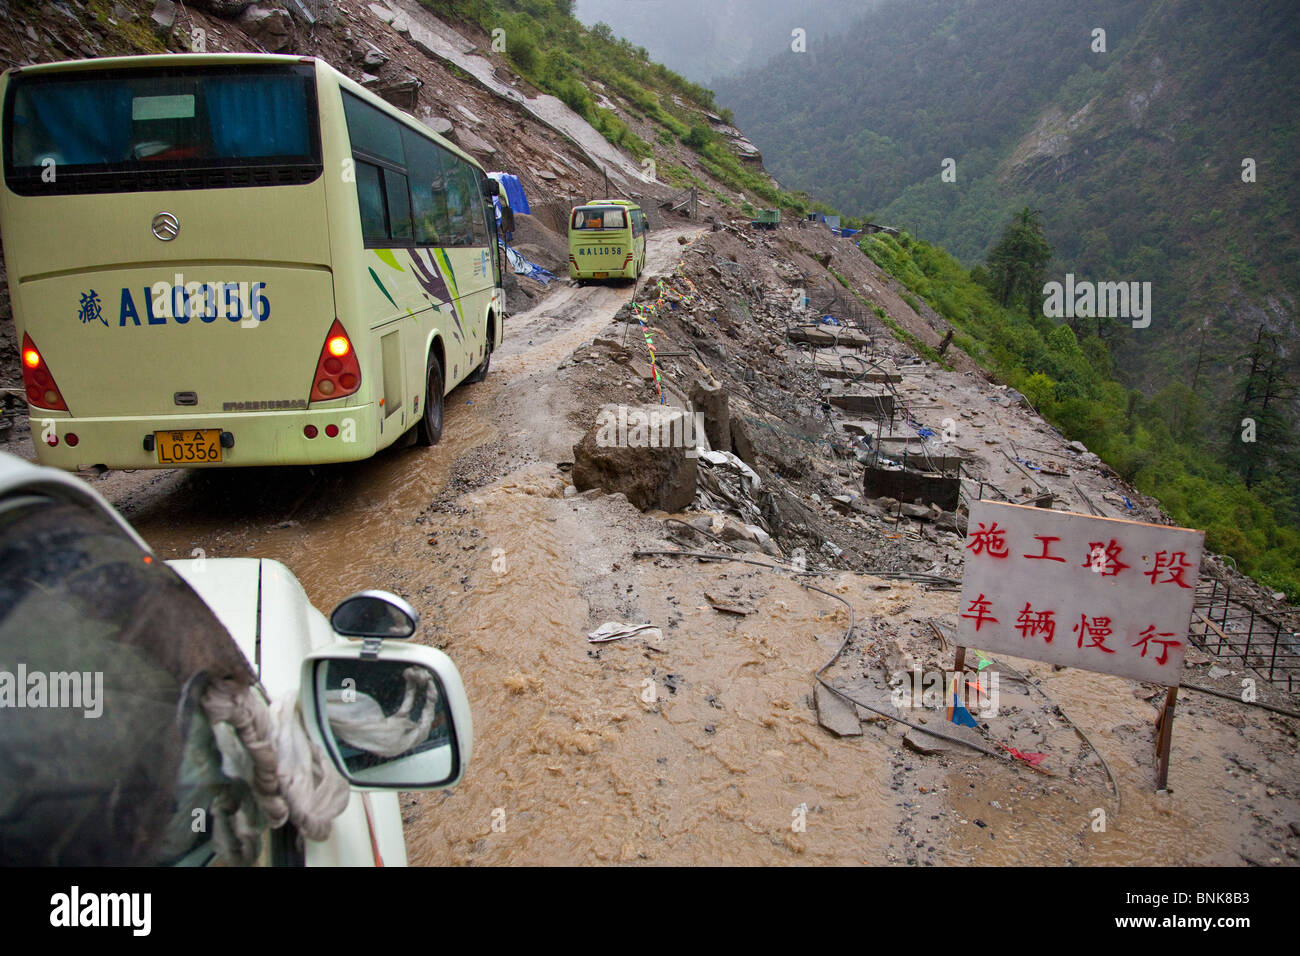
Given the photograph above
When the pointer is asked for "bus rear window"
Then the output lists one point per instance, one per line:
(133, 130)
(599, 217)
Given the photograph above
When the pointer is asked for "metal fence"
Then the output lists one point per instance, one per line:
(1228, 625)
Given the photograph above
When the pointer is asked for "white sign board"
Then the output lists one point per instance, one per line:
(1099, 594)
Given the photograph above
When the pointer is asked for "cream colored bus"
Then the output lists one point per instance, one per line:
(236, 259)
(607, 240)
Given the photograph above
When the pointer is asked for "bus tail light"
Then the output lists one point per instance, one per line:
(37, 380)
(338, 373)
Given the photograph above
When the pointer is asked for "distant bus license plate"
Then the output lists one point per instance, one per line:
(189, 447)
(600, 275)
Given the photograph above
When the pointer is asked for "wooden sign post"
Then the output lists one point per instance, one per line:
(1101, 594)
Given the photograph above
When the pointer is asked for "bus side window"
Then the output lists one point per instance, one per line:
(370, 196)
(399, 204)
(428, 196)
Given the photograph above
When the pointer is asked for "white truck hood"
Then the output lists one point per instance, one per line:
(287, 628)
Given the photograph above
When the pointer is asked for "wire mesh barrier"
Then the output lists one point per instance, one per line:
(1230, 626)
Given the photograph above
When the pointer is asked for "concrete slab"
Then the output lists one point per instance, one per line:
(836, 714)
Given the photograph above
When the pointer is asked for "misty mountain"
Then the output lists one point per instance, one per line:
(705, 41)
(1134, 155)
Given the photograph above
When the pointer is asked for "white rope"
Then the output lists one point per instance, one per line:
(289, 777)
(359, 721)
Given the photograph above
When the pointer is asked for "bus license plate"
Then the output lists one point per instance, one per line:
(189, 447)
(600, 275)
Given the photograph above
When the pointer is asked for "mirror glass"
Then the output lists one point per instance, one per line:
(374, 614)
(388, 722)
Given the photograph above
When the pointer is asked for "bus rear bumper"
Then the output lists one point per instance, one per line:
(255, 438)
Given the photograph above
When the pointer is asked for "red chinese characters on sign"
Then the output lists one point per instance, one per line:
(1149, 635)
(1031, 623)
(1047, 546)
(1104, 559)
(1096, 632)
(980, 606)
(1173, 565)
(1102, 594)
(992, 541)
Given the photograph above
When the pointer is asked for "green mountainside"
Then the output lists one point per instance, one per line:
(1134, 156)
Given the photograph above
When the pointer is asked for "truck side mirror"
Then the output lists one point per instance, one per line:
(374, 614)
(390, 716)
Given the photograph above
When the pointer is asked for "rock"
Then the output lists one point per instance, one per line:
(650, 477)
(920, 512)
(836, 714)
(1079, 446)
(732, 531)
(473, 143)
(927, 744)
(223, 8)
(923, 743)
(641, 370)
(374, 58)
(439, 124)
(951, 521)
(311, 12)
(764, 540)
(740, 443)
(714, 402)
(123, 13)
(272, 27)
(402, 92)
(163, 18)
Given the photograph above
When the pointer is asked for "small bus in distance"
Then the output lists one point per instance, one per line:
(607, 240)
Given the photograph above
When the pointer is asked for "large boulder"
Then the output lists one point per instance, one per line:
(272, 27)
(646, 452)
(163, 18)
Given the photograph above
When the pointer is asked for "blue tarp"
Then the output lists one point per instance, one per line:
(523, 267)
(514, 192)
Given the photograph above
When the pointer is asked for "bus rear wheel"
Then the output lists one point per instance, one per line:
(429, 431)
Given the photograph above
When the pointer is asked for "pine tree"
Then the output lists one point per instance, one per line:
(1261, 425)
(1017, 265)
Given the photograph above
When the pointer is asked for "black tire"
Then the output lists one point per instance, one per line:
(429, 431)
(480, 373)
